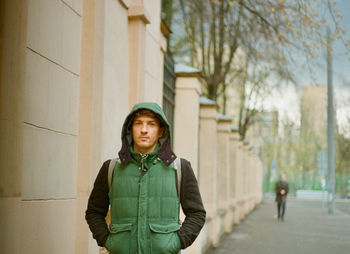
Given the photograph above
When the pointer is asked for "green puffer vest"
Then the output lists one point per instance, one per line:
(144, 210)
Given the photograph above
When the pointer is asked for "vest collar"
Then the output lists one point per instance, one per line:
(148, 156)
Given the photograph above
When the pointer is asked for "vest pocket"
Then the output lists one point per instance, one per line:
(164, 238)
(119, 238)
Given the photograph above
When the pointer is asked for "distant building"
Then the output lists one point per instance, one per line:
(314, 113)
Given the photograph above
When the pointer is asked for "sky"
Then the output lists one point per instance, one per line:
(287, 102)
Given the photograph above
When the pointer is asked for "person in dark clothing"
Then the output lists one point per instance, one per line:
(282, 190)
(145, 193)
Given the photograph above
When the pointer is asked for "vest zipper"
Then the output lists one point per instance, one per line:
(143, 157)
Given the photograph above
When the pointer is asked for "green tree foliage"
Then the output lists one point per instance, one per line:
(342, 158)
(295, 153)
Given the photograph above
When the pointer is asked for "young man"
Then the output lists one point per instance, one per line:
(282, 189)
(143, 196)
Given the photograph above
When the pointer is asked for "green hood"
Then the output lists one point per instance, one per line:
(165, 152)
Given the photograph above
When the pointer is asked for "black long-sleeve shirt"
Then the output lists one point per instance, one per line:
(190, 198)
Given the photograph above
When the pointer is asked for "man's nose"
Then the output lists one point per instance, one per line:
(144, 128)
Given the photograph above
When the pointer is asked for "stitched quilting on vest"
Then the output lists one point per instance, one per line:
(144, 210)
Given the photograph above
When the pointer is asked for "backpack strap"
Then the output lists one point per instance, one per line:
(177, 168)
(110, 171)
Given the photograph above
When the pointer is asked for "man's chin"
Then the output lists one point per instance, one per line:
(145, 146)
(144, 143)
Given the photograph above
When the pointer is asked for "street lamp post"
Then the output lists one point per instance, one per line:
(330, 128)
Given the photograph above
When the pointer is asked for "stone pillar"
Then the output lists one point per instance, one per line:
(234, 180)
(40, 72)
(138, 19)
(186, 124)
(186, 116)
(244, 187)
(239, 188)
(223, 174)
(255, 179)
(259, 180)
(251, 179)
(207, 167)
(12, 80)
(246, 178)
(85, 124)
(256, 176)
(154, 53)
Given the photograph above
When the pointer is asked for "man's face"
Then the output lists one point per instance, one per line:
(145, 133)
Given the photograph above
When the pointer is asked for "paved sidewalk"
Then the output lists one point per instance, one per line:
(307, 229)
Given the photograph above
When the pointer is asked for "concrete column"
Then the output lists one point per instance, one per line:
(260, 180)
(85, 125)
(246, 178)
(186, 124)
(244, 187)
(12, 68)
(138, 19)
(251, 179)
(154, 53)
(186, 117)
(207, 167)
(40, 71)
(256, 176)
(223, 174)
(240, 184)
(103, 101)
(234, 180)
(255, 179)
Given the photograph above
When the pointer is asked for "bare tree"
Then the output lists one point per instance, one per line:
(268, 31)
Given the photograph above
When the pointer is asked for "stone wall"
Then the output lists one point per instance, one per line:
(228, 172)
(70, 72)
